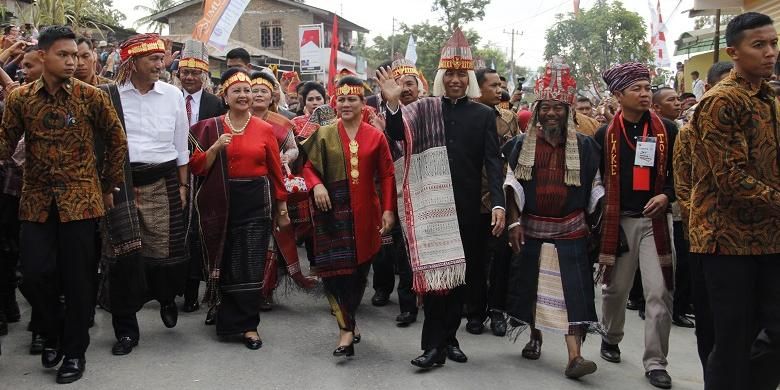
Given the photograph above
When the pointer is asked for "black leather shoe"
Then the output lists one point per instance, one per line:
(498, 325)
(189, 307)
(579, 367)
(50, 356)
(71, 370)
(405, 319)
(211, 316)
(345, 350)
(533, 349)
(683, 321)
(610, 352)
(37, 343)
(475, 326)
(659, 379)
(455, 354)
(430, 358)
(169, 314)
(253, 343)
(3, 328)
(124, 346)
(380, 298)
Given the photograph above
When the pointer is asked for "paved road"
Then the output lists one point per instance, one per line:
(299, 336)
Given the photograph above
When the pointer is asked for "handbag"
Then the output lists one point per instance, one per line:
(293, 184)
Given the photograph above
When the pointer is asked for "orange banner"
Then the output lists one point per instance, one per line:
(219, 18)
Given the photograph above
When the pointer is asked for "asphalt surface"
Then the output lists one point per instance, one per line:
(299, 336)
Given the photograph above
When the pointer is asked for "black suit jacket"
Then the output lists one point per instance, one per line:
(210, 106)
(472, 143)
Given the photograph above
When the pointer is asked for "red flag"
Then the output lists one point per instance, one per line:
(334, 52)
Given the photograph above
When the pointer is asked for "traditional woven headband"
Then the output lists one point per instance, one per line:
(403, 70)
(456, 63)
(346, 89)
(239, 77)
(264, 82)
(194, 63)
(154, 45)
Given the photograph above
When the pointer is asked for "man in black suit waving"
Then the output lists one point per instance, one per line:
(193, 73)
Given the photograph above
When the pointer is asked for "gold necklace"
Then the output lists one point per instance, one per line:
(233, 129)
(353, 160)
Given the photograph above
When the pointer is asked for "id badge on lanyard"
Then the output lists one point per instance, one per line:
(644, 160)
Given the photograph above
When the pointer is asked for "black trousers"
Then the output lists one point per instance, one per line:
(442, 318)
(487, 277)
(443, 312)
(682, 275)
(705, 335)
(9, 248)
(392, 258)
(745, 300)
(59, 258)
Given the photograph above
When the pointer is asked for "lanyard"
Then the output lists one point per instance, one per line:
(625, 135)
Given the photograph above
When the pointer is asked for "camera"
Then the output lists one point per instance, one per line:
(20, 76)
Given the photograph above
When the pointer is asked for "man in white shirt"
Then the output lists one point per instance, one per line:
(698, 85)
(157, 130)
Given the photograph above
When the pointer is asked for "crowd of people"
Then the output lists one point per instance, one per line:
(120, 189)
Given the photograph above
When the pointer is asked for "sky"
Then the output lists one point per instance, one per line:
(530, 18)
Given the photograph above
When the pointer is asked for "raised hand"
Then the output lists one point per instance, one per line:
(390, 88)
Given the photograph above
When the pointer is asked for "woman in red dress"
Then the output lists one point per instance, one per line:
(345, 160)
(240, 197)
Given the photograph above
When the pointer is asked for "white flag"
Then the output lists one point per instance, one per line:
(411, 50)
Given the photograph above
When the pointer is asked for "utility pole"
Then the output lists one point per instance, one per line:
(512, 55)
(716, 41)
(392, 41)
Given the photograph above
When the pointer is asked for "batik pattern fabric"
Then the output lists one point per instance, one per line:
(683, 178)
(426, 203)
(60, 133)
(735, 200)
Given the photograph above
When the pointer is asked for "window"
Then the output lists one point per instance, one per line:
(271, 34)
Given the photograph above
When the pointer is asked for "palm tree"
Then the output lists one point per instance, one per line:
(159, 6)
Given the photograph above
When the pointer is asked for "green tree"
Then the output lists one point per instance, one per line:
(76, 13)
(159, 6)
(456, 13)
(596, 39)
(429, 38)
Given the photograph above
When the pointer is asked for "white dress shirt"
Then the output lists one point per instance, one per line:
(156, 124)
(194, 105)
(698, 89)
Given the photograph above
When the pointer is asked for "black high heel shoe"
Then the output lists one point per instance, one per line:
(348, 350)
(356, 339)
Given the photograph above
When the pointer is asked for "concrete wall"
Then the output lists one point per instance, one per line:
(701, 63)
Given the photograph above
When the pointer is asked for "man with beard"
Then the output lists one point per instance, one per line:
(64, 194)
(193, 74)
(448, 139)
(155, 119)
(85, 68)
(635, 227)
(486, 281)
(555, 181)
(393, 253)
